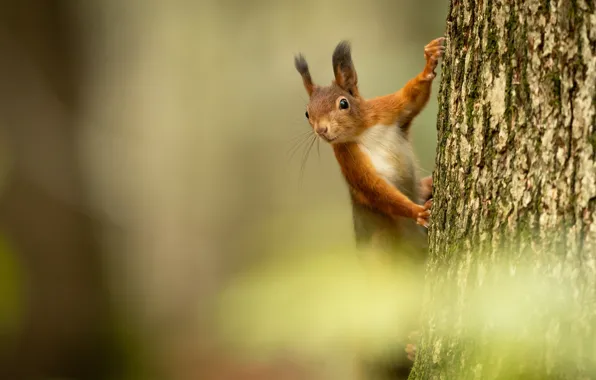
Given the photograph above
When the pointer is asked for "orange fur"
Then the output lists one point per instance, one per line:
(343, 126)
(371, 144)
(400, 107)
(367, 188)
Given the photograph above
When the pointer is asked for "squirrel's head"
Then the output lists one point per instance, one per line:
(334, 111)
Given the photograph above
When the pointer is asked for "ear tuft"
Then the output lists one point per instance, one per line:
(301, 64)
(302, 67)
(343, 68)
(342, 56)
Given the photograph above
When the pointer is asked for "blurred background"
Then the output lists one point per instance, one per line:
(150, 158)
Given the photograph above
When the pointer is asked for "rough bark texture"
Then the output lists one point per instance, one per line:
(515, 182)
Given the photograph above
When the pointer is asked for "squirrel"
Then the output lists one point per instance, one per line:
(371, 142)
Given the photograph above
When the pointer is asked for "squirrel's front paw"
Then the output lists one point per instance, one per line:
(432, 53)
(423, 216)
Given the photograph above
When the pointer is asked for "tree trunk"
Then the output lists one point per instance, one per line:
(515, 195)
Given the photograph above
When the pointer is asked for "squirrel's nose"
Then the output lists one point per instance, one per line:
(321, 130)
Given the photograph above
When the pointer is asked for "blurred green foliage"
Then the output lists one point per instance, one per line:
(331, 303)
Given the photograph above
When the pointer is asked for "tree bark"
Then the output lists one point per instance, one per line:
(515, 189)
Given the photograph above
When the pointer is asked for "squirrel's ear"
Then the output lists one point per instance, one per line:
(302, 68)
(343, 68)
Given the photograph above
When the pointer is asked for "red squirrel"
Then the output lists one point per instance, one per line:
(371, 142)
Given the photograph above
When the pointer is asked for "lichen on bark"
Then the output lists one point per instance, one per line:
(514, 186)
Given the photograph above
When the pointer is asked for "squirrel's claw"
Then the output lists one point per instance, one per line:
(432, 53)
(423, 216)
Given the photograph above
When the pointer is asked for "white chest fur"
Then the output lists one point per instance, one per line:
(390, 153)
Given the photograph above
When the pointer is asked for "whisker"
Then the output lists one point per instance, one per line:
(296, 146)
(305, 157)
(319, 149)
(298, 136)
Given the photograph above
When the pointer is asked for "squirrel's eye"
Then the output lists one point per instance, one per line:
(343, 104)
(306, 114)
